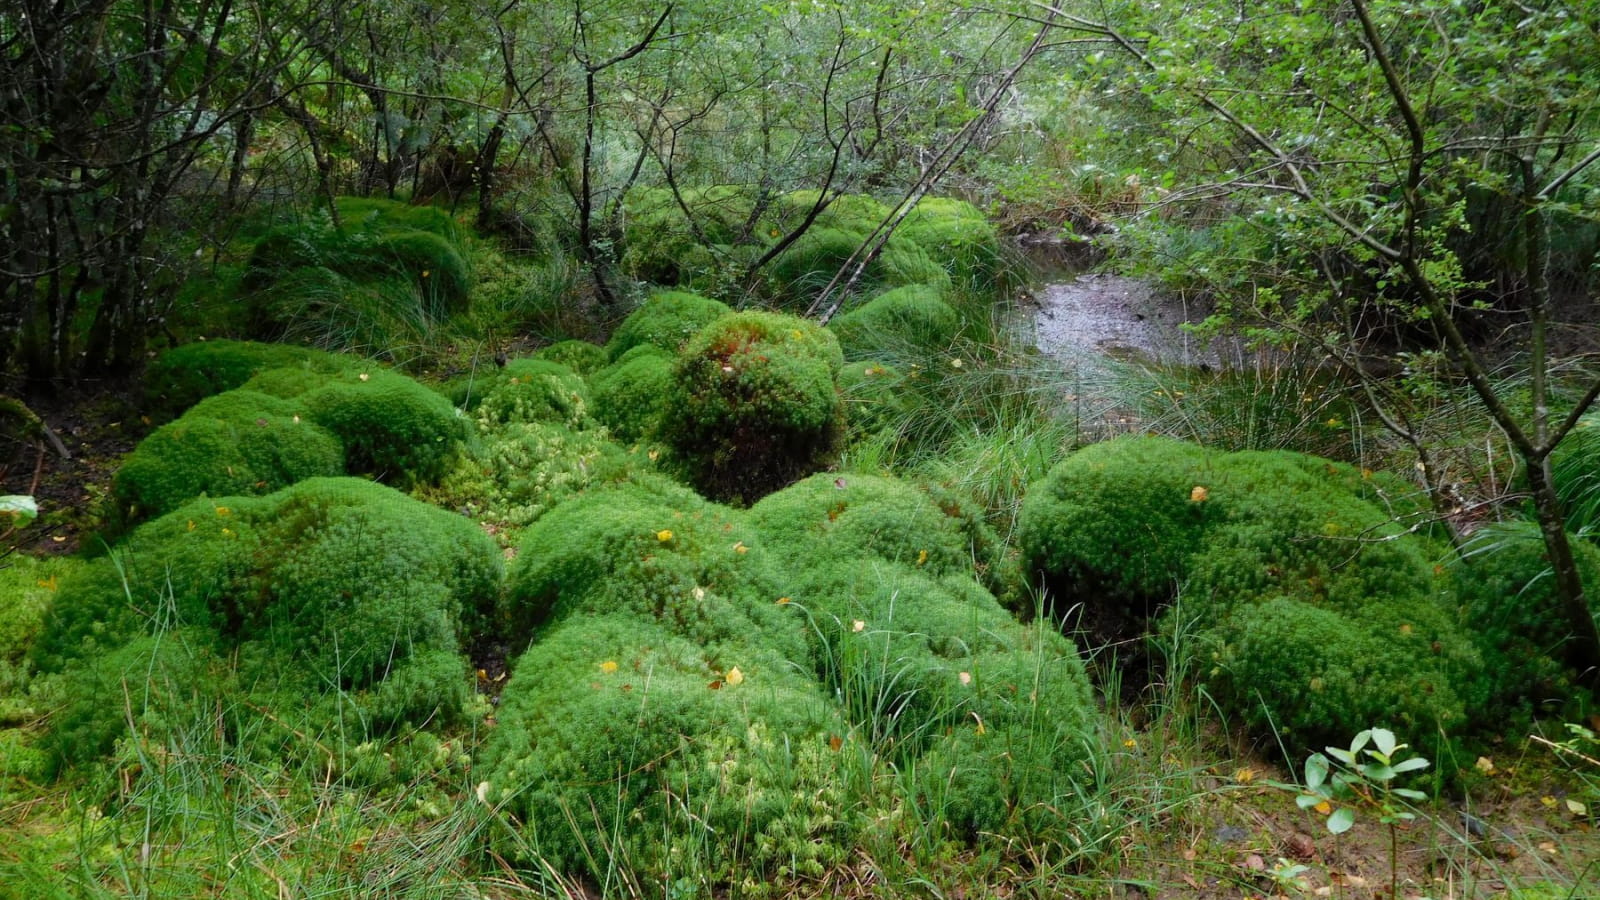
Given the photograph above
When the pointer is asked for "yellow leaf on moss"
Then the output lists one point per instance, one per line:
(664, 535)
(857, 625)
(735, 677)
(1199, 494)
(608, 666)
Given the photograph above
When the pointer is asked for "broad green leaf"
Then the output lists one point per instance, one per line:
(1341, 820)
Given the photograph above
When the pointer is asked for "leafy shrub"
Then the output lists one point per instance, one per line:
(652, 551)
(187, 374)
(391, 426)
(619, 742)
(1506, 588)
(630, 394)
(913, 316)
(667, 320)
(331, 584)
(873, 396)
(234, 443)
(581, 357)
(753, 404)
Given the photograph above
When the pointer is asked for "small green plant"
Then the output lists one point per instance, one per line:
(1363, 777)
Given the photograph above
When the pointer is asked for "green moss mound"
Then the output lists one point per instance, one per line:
(185, 375)
(660, 245)
(754, 405)
(581, 357)
(385, 274)
(913, 318)
(666, 320)
(1250, 539)
(1506, 589)
(856, 516)
(1310, 674)
(618, 739)
(652, 551)
(1575, 472)
(391, 427)
(511, 475)
(630, 394)
(239, 442)
(331, 585)
(1115, 523)
(534, 390)
(957, 235)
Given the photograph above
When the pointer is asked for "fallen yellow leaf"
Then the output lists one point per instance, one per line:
(735, 677)
(664, 535)
(608, 666)
(1199, 494)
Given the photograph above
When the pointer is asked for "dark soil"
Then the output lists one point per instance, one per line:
(97, 423)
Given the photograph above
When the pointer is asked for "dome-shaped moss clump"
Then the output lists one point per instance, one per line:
(667, 320)
(1248, 541)
(331, 585)
(754, 404)
(391, 427)
(630, 393)
(653, 551)
(237, 442)
(614, 733)
(1506, 587)
(187, 374)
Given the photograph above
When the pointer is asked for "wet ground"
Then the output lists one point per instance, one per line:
(1119, 317)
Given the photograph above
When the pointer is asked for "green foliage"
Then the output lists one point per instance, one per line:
(651, 551)
(662, 247)
(1306, 672)
(1323, 615)
(28, 583)
(629, 394)
(382, 278)
(234, 443)
(667, 320)
(329, 585)
(621, 746)
(1507, 593)
(579, 356)
(187, 374)
(753, 405)
(914, 316)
